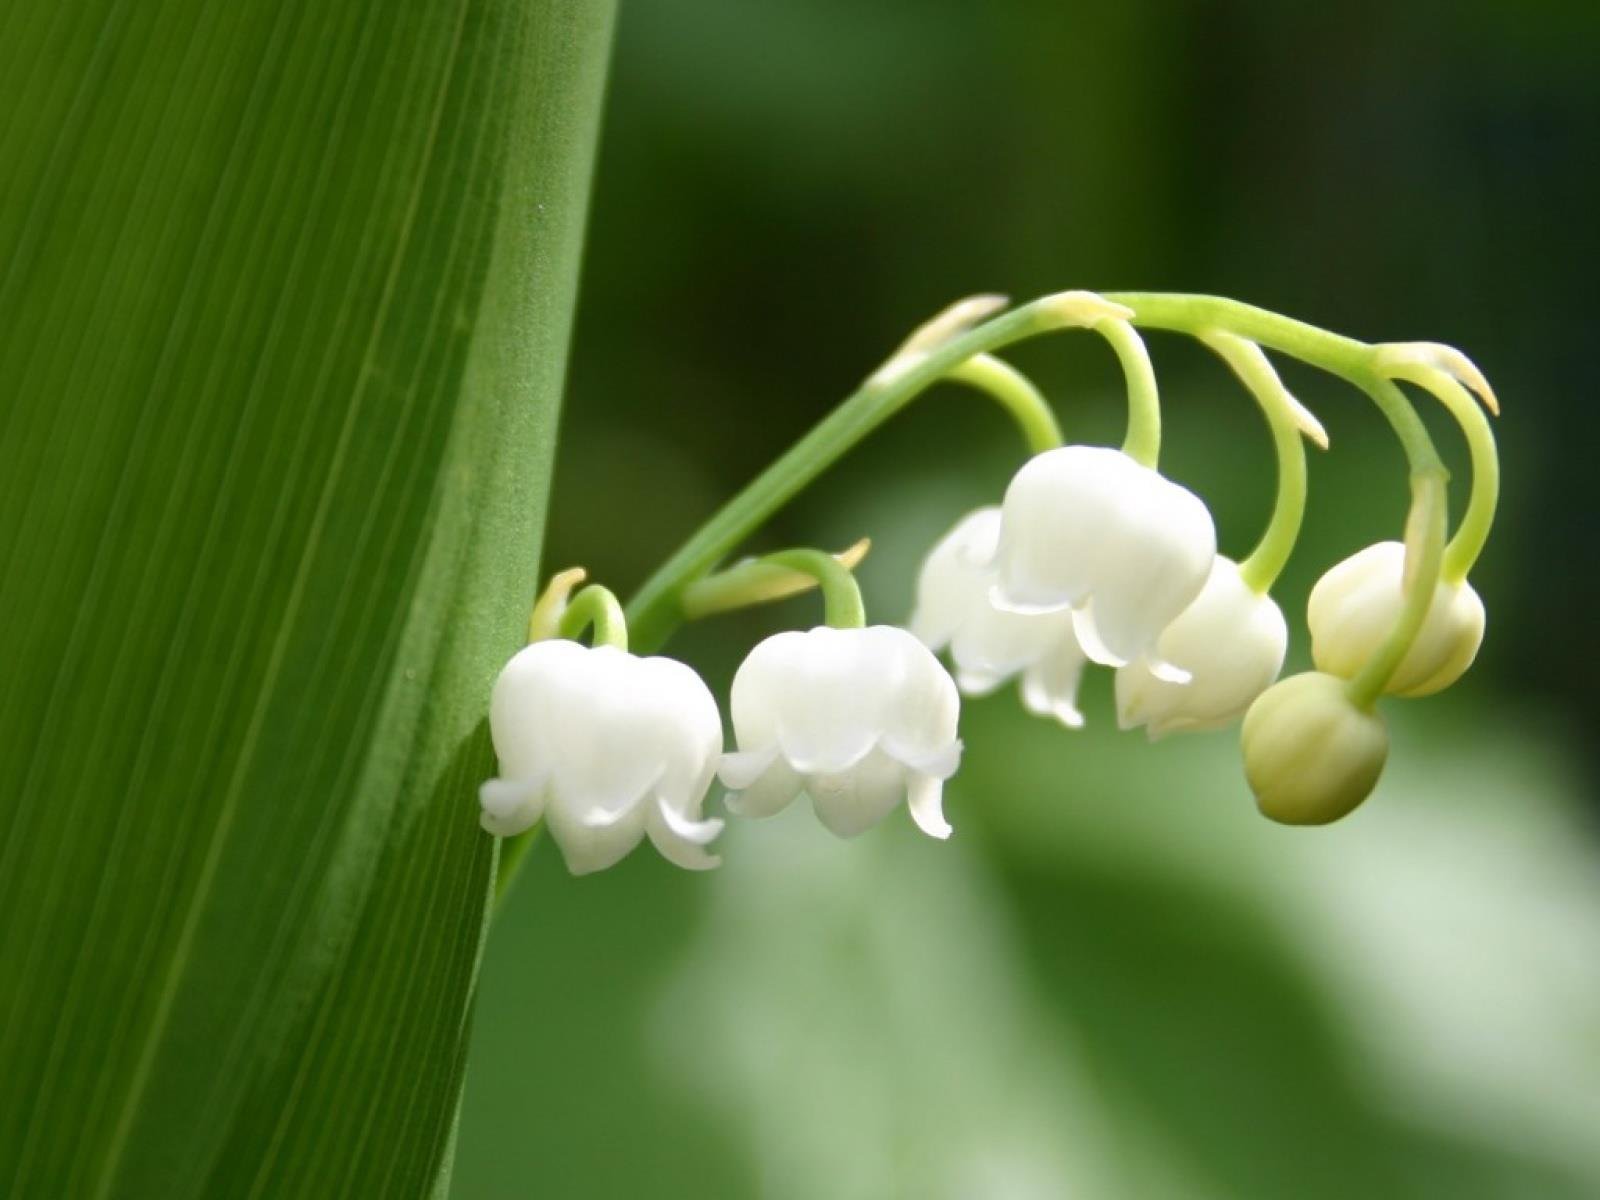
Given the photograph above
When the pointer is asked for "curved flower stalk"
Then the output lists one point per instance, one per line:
(860, 720)
(989, 645)
(1360, 598)
(1232, 639)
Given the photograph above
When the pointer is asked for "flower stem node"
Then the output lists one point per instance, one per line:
(1231, 640)
(608, 748)
(988, 644)
(1088, 529)
(1358, 601)
(860, 719)
(1310, 754)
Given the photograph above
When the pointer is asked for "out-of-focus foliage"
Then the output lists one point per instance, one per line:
(285, 293)
(1116, 979)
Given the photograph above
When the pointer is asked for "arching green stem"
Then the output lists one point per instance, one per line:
(655, 609)
(756, 581)
(841, 594)
(1143, 443)
(1478, 518)
(1016, 393)
(599, 608)
(1359, 363)
(1343, 356)
(1261, 568)
(1425, 535)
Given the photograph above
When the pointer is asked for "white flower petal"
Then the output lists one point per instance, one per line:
(741, 768)
(940, 763)
(682, 852)
(511, 806)
(1089, 639)
(682, 840)
(850, 802)
(977, 683)
(926, 796)
(1167, 672)
(819, 694)
(1050, 686)
(1087, 528)
(921, 712)
(684, 826)
(1059, 510)
(588, 848)
(768, 794)
(1229, 643)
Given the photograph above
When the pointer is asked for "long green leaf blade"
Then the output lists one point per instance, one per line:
(286, 289)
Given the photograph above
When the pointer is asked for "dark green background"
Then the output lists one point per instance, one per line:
(1116, 980)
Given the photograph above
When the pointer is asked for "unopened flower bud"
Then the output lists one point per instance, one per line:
(1311, 755)
(1356, 604)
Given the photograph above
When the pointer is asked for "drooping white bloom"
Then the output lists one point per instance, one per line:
(1231, 640)
(860, 719)
(1087, 529)
(607, 747)
(988, 645)
(1356, 603)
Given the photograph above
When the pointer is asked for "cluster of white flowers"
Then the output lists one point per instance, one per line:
(1095, 558)
(1091, 558)
(609, 747)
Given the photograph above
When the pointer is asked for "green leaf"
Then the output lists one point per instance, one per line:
(287, 289)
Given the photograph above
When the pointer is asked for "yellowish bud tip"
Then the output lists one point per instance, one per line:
(950, 322)
(1306, 421)
(1395, 357)
(850, 557)
(1311, 756)
(545, 619)
(1084, 308)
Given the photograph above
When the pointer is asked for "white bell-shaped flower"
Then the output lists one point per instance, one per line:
(1356, 603)
(1231, 640)
(989, 645)
(860, 719)
(1087, 529)
(607, 747)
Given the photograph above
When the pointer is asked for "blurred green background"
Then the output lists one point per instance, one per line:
(1116, 980)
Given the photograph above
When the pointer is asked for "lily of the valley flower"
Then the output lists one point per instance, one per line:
(1231, 640)
(989, 645)
(860, 719)
(1088, 529)
(1356, 604)
(608, 748)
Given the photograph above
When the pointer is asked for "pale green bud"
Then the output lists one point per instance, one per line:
(1311, 756)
